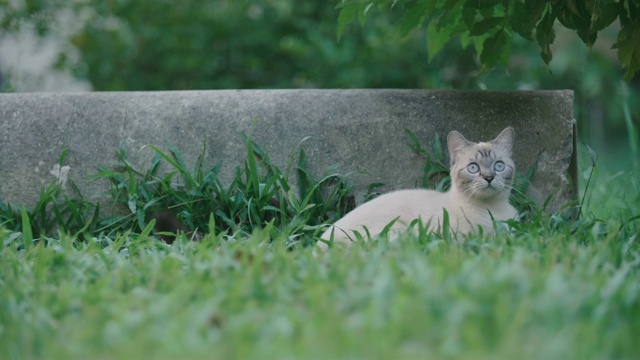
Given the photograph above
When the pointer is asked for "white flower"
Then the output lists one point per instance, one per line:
(61, 173)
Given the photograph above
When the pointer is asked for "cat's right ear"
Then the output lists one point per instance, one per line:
(505, 139)
(455, 143)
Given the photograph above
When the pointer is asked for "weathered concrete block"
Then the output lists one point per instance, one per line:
(363, 130)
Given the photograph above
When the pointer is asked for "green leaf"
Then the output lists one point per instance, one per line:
(628, 46)
(416, 146)
(545, 35)
(469, 15)
(27, 234)
(451, 13)
(482, 4)
(629, 13)
(588, 37)
(253, 179)
(594, 8)
(485, 25)
(593, 156)
(212, 224)
(303, 176)
(572, 6)
(567, 18)
(576, 16)
(605, 17)
(147, 230)
(178, 164)
(526, 16)
(446, 228)
(387, 228)
(362, 15)
(450, 5)
(495, 49)
(347, 14)
(413, 17)
(437, 38)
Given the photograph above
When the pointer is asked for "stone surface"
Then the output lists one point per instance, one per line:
(363, 130)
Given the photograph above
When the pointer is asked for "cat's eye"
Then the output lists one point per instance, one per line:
(498, 166)
(473, 168)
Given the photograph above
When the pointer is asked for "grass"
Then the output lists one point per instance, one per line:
(550, 289)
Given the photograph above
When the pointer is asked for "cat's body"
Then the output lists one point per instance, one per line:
(482, 175)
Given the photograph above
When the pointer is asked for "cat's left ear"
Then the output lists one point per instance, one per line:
(505, 139)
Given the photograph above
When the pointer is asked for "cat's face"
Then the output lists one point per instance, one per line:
(482, 170)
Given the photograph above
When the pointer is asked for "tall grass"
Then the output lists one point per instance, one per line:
(54, 211)
(293, 202)
(259, 193)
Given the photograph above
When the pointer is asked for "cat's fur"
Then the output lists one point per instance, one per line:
(478, 193)
(168, 226)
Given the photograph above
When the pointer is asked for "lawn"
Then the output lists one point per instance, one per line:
(548, 289)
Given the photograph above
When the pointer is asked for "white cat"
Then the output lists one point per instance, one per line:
(481, 180)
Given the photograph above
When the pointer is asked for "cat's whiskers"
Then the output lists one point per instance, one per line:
(499, 186)
(473, 191)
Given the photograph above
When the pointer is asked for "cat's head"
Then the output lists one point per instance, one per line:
(482, 170)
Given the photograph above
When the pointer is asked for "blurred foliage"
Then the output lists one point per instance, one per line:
(490, 24)
(197, 44)
(243, 44)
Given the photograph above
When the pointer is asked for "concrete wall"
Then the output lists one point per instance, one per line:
(363, 130)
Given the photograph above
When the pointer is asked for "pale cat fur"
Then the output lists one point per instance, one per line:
(478, 192)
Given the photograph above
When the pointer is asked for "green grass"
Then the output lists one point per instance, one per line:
(550, 289)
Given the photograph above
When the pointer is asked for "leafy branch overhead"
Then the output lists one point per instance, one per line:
(489, 25)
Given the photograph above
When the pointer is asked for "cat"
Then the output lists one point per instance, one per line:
(481, 180)
(168, 226)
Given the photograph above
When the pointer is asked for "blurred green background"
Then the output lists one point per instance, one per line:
(81, 45)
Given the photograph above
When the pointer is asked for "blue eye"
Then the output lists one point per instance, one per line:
(498, 166)
(473, 168)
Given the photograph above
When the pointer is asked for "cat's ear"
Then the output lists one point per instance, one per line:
(455, 143)
(505, 139)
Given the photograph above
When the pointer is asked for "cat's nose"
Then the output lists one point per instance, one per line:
(488, 178)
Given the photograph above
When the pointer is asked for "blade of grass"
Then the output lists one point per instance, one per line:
(253, 181)
(177, 164)
(27, 234)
